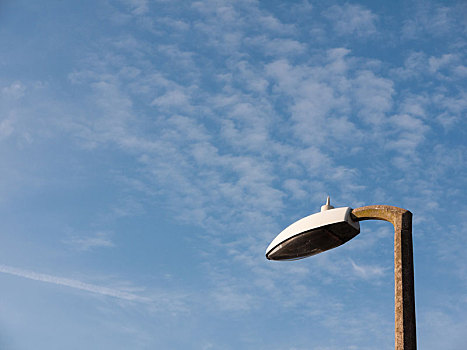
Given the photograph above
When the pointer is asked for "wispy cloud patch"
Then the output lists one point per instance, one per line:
(13, 91)
(278, 46)
(6, 128)
(367, 271)
(137, 7)
(350, 19)
(85, 243)
(432, 19)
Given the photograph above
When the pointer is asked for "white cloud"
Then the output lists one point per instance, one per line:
(138, 7)
(373, 96)
(304, 7)
(415, 106)
(296, 188)
(438, 63)
(179, 57)
(14, 91)
(271, 23)
(351, 19)
(367, 271)
(408, 133)
(441, 328)
(444, 67)
(228, 299)
(414, 64)
(6, 128)
(277, 46)
(432, 19)
(174, 98)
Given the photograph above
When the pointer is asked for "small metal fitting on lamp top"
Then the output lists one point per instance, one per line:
(327, 206)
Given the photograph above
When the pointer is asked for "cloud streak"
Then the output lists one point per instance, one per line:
(71, 283)
(98, 240)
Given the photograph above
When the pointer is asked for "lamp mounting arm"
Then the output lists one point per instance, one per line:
(405, 332)
(394, 215)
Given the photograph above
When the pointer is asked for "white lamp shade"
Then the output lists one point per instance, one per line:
(314, 234)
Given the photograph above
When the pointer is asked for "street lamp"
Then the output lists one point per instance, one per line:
(333, 227)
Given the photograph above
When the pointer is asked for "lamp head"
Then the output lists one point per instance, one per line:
(314, 234)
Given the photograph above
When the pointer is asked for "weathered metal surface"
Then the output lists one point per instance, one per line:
(405, 327)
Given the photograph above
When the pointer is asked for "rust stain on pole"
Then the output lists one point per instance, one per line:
(405, 328)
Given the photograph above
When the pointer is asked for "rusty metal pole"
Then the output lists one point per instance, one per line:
(405, 328)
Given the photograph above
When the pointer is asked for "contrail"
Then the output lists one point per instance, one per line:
(73, 284)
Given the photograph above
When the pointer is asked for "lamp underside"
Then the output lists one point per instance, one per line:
(313, 242)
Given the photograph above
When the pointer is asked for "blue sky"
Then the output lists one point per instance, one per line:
(151, 150)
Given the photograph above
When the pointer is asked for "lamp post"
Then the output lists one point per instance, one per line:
(333, 227)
